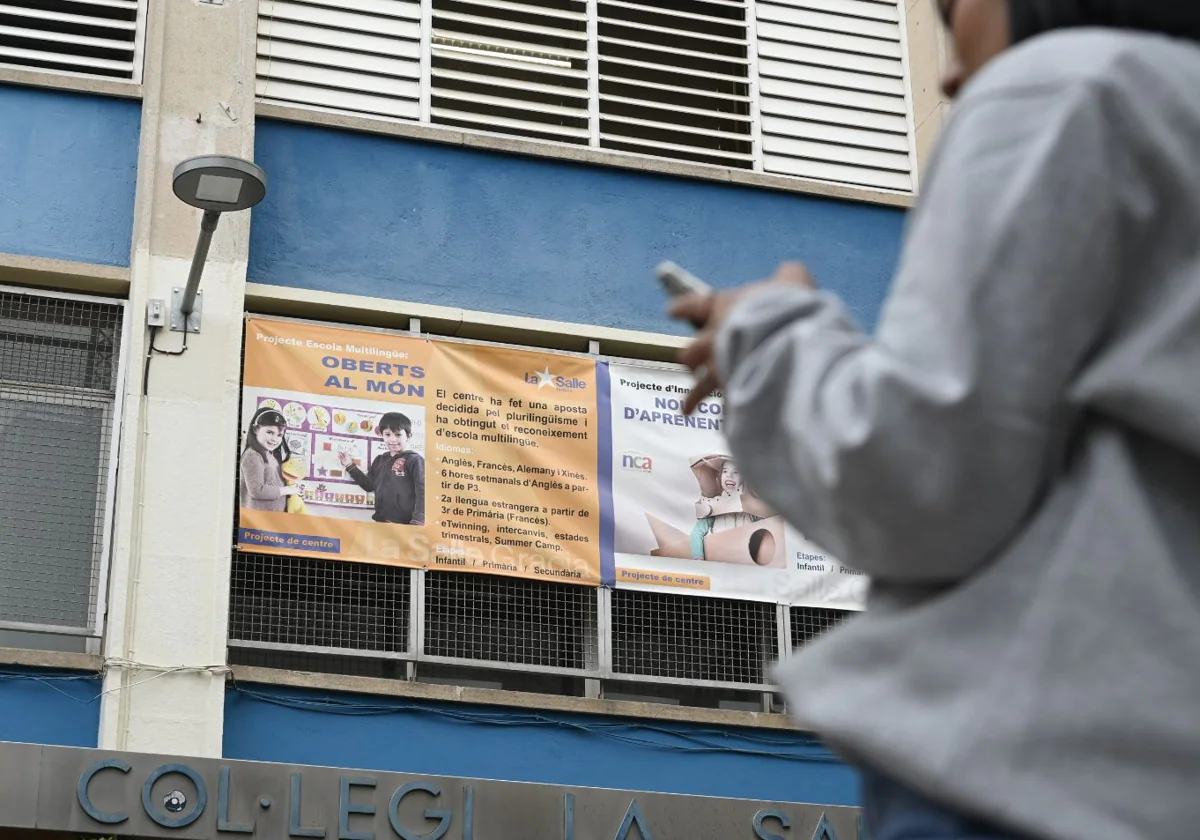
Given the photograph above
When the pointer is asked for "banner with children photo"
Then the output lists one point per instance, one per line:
(385, 448)
(684, 518)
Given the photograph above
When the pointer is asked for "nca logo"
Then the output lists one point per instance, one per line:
(636, 461)
(546, 379)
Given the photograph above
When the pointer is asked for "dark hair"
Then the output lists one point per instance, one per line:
(1176, 18)
(268, 417)
(394, 421)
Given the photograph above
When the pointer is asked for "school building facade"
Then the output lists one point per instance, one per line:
(492, 171)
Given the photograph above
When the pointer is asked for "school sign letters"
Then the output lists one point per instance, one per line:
(90, 792)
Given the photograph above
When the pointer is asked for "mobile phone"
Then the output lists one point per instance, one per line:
(679, 282)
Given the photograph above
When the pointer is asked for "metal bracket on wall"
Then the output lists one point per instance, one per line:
(193, 321)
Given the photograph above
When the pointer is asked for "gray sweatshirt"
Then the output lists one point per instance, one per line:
(1014, 458)
(261, 483)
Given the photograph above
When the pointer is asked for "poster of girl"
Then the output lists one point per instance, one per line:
(262, 484)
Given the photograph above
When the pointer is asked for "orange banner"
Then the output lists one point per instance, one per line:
(401, 450)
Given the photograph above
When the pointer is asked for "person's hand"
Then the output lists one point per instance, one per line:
(344, 459)
(708, 313)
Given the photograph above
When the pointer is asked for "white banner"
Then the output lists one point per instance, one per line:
(685, 519)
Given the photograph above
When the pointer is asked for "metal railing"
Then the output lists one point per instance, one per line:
(307, 611)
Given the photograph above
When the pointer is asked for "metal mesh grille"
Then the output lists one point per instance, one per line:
(808, 623)
(495, 619)
(53, 342)
(58, 381)
(319, 603)
(682, 637)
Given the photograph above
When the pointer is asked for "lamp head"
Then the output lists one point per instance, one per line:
(219, 183)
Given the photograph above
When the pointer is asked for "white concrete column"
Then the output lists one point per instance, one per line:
(165, 636)
(929, 54)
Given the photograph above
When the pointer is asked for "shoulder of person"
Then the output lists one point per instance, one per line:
(414, 457)
(1111, 78)
(1082, 61)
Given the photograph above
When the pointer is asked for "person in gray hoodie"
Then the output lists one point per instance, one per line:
(1014, 457)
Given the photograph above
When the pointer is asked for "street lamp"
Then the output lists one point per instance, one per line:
(216, 184)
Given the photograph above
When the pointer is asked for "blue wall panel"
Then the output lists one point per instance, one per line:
(49, 707)
(405, 220)
(388, 734)
(68, 170)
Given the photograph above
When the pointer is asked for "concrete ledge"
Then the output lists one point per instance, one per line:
(581, 154)
(77, 84)
(460, 323)
(51, 659)
(64, 275)
(512, 699)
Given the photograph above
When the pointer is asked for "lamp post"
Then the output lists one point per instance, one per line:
(215, 184)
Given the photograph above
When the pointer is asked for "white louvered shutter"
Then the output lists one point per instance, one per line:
(674, 79)
(361, 56)
(832, 84)
(94, 37)
(515, 67)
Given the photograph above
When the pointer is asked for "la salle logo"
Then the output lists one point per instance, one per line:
(546, 379)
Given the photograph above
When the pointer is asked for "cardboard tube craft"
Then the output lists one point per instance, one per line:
(732, 524)
(294, 469)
